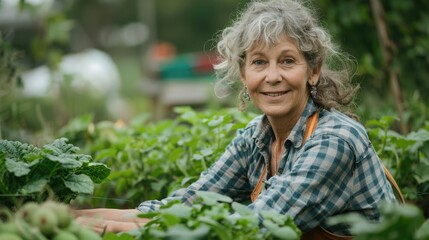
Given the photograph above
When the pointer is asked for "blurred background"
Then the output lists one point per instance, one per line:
(118, 59)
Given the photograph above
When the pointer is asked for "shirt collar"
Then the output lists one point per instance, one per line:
(264, 134)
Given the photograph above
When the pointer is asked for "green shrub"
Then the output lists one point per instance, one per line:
(28, 173)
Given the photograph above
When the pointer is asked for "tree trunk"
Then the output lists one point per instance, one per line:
(387, 48)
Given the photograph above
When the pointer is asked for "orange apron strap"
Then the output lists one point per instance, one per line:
(311, 125)
(395, 186)
(257, 190)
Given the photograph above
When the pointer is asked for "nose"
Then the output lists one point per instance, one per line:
(273, 74)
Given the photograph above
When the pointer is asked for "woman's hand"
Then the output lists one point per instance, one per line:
(109, 220)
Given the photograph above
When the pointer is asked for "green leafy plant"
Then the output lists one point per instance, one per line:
(213, 216)
(398, 222)
(28, 173)
(406, 156)
(149, 160)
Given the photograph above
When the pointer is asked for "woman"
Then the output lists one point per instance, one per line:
(279, 53)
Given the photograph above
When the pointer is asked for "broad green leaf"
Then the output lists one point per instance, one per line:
(106, 153)
(179, 210)
(96, 171)
(176, 154)
(187, 180)
(211, 198)
(217, 228)
(410, 193)
(60, 146)
(35, 186)
(423, 232)
(32, 157)
(284, 232)
(402, 143)
(83, 158)
(422, 174)
(238, 220)
(400, 221)
(384, 122)
(158, 185)
(79, 183)
(170, 219)
(198, 156)
(188, 115)
(207, 219)
(66, 160)
(207, 151)
(181, 232)
(421, 135)
(148, 215)
(241, 209)
(54, 161)
(17, 150)
(216, 122)
(18, 168)
(117, 236)
(274, 216)
(406, 211)
(78, 124)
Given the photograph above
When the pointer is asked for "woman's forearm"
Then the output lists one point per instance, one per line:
(121, 215)
(109, 220)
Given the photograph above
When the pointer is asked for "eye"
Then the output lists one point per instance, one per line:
(258, 62)
(288, 61)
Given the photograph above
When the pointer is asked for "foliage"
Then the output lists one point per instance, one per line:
(190, 17)
(8, 65)
(406, 23)
(54, 33)
(214, 216)
(48, 220)
(406, 156)
(149, 160)
(398, 222)
(28, 173)
(41, 37)
(9, 70)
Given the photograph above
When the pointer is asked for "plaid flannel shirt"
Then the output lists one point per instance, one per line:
(335, 171)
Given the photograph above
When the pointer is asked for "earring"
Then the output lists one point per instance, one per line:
(246, 95)
(313, 91)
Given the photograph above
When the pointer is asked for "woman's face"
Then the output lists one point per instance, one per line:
(277, 77)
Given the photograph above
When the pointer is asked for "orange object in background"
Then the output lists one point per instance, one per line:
(162, 51)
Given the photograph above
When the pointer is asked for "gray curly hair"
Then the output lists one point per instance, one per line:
(265, 22)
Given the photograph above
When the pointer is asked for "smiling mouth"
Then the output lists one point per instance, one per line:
(274, 94)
